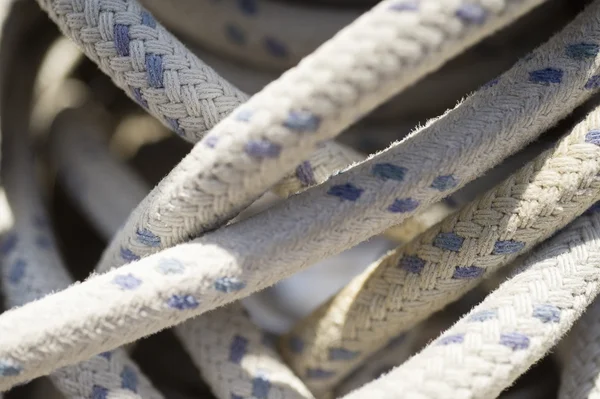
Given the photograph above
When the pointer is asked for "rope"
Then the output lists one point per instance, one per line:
(255, 157)
(234, 356)
(510, 330)
(31, 267)
(168, 279)
(225, 256)
(265, 34)
(442, 264)
(226, 346)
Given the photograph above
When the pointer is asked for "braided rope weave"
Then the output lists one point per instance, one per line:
(217, 345)
(243, 165)
(233, 355)
(31, 267)
(170, 315)
(445, 262)
(175, 284)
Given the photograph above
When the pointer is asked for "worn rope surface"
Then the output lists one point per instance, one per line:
(247, 153)
(260, 143)
(31, 266)
(183, 291)
(225, 344)
(234, 356)
(442, 264)
(511, 329)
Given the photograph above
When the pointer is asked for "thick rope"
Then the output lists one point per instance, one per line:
(266, 34)
(441, 265)
(31, 267)
(223, 343)
(153, 67)
(243, 165)
(510, 330)
(170, 301)
(235, 358)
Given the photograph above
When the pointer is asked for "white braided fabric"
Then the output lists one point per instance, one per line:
(442, 264)
(167, 301)
(248, 153)
(510, 330)
(267, 34)
(30, 266)
(183, 252)
(234, 356)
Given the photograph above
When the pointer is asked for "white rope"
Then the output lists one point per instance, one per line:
(179, 297)
(233, 355)
(510, 330)
(30, 266)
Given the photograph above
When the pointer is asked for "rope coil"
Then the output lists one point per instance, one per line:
(180, 254)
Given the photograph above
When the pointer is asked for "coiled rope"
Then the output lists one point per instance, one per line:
(254, 147)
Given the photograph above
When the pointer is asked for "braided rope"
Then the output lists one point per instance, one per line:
(580, 374)
(247, 29)
(222, 342)
(245, 156)
(150, 65)
(510, 330)
(169, 301)
(266, 34)
(442, 264)
(130, 34)
(231, 352)
(31, 267)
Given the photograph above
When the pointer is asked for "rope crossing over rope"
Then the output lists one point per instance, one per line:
(181, 259)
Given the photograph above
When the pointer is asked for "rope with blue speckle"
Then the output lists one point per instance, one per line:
(240, 159)
(438, 267)
(232, 353)
(224, 344)
(511, 329)
(31, 267)
(186, 302)
(580, 374)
